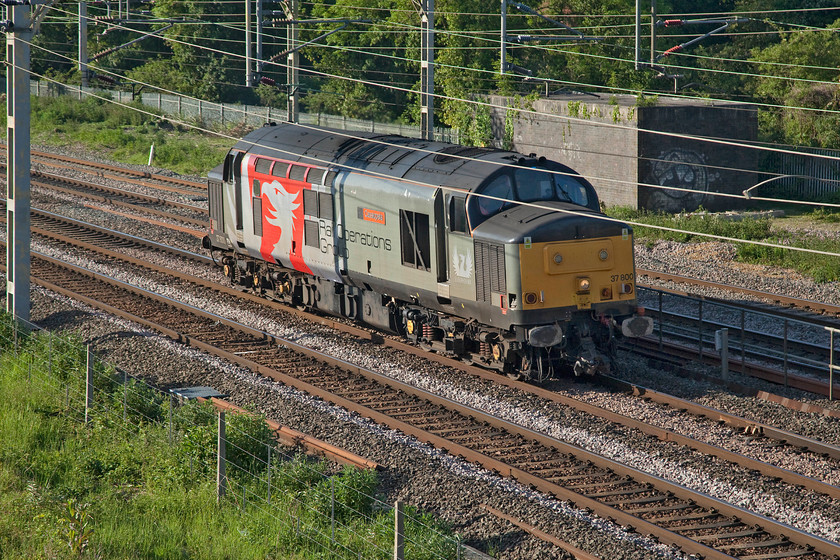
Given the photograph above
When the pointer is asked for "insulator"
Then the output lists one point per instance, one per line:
(268, 81)
(673, 22)
(106, 79)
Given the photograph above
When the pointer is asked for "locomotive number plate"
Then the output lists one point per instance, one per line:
(583, 301)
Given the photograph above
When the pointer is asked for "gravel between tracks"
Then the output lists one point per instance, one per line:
(421, 476)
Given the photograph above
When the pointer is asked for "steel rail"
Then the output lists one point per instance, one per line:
(651, 350)
(121, 171)
(660, 433)
(542, 535)
(295, 438)
(796, 536)
(777, 298)
(104, 198)
(146, 199)
(758, 371)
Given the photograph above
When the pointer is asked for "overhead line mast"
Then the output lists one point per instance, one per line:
(19, 31)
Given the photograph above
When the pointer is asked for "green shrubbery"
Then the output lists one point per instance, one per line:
(115, 489)
(125, 133)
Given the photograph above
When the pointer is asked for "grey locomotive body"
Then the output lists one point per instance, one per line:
(480, 253)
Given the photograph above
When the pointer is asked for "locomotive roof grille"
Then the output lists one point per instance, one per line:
(447, 154)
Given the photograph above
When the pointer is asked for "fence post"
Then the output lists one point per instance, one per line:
(700, 329)
(125, 395)
(88, 384)
(661, 317)
(399, 544)
(221, 477)
(268, 447)
(170, 418)
(785, 351)
(722, 346)
(743, 344)
(831, 365)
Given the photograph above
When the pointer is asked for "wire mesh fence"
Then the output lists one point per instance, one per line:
(301, 503)
(223, 114)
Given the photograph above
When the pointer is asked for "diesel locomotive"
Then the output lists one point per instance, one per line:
(484, 254)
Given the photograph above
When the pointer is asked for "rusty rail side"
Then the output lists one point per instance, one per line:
(526, 478)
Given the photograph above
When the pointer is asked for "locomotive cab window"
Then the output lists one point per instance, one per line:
(527, 185)
(479, 208)
(414, 239)
(457, 214)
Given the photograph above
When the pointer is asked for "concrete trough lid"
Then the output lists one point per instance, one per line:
(197, 393)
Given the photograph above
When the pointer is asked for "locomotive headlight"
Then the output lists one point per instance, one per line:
(583, 284)
(603, 254)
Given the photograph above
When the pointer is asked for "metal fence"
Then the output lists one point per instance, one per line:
(801, 346)
(225, 114)
(86, 389)
(807, 177)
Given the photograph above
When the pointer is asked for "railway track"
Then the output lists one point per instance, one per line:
(757, 345)
(113, 245)
(695, 522)
(117, 248)
(777, 299)
(121, 173)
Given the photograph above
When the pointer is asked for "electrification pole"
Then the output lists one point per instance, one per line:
(18, 199)
(259, 47)
(427, 69)
(83, 56)
(249, 76)
(638, 50)
(292, 72)
(503, 64)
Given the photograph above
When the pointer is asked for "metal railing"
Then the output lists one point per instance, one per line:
(224, 114)
(759, 336)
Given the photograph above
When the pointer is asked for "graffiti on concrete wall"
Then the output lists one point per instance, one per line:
(684, 170)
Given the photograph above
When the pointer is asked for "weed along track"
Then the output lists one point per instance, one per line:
(673, 514)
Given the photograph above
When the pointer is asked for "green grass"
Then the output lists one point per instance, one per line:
(125, 490)
(126, 134)
(820, 268)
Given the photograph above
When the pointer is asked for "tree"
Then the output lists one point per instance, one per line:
(801, 73)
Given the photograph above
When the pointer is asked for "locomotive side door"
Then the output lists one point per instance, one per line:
(233, 184)
(461, 256)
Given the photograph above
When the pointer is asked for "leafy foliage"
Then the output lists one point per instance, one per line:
(370, 68)
(143, 490)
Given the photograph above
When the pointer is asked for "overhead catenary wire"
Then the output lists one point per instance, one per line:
(675, 135)
(443, 97)
(677, 189)
(282, 153)
(607, 124)
(549, 49)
